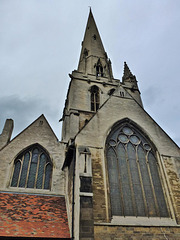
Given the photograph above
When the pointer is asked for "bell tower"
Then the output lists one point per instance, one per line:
(116, 154)
(93, 83)
(114, 175)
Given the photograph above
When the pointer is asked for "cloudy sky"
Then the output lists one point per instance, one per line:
(40, 42)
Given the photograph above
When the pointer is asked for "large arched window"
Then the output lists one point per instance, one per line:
(32, 169)
(94, 98)
(134, 180)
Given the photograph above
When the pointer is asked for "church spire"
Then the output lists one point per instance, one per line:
(93, 58)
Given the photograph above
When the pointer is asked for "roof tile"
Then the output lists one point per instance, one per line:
(26, 215)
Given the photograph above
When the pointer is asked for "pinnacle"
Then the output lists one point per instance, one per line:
(127, 73)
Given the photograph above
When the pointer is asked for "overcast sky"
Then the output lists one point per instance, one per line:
(40, 43)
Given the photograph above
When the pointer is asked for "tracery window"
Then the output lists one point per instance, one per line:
(94, 98)
(32, 169)
(134, 179)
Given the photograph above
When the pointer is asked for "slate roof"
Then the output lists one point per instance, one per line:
(26, 215)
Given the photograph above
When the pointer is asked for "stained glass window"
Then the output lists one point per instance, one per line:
(32, 169)
(133, 171)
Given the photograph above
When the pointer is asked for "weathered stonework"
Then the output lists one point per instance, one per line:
(124, 103)
(174, 184)
(138, 232)
(38, 132)
(80, 175)
(98, 187)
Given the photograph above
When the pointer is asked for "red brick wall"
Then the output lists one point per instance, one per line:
(28, 215)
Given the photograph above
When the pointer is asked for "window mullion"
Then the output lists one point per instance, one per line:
(12, 174)
(159, 169)
(142, 186)
(137, 175)
(152, 186)
(120, 184)
(131, 183)
(44, 173)
(20, 170)
(37, 169)
(26, 172)
(30, 159)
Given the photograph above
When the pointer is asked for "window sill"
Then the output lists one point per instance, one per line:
(29, 190)
(140, 221)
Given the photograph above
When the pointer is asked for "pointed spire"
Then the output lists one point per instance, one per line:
(92, 40)
(127, 73)
(92, 50)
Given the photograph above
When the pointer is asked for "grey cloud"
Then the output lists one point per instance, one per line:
(40, 44)
(25, 111)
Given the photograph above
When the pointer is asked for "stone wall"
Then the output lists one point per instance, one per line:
(173, 183)
(99, 202)
(39, 132)
(136, 233)
(94, 136)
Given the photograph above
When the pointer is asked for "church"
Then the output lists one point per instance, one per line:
(115, 173)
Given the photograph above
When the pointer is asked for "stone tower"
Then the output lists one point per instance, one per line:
(114, 174)
(93, 83)
(122, 168)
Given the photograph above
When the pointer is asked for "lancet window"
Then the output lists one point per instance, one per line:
(32, 169)
(99, 69)
(134, 179)
(94, 98)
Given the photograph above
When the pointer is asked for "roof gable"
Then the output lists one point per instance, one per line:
(40, 119)
(32, 134)
(118, 107)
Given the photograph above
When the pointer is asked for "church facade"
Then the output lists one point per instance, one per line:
(115, 174)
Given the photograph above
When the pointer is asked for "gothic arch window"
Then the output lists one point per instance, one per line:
(99, 69)
(94, 98)
(32, 169)
(133, 171)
